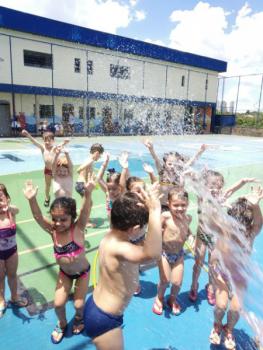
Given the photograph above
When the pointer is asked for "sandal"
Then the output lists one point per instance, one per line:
(3, 309)
(215, 335)
(21, 302)
(157, 307)
(210, 295)
(138, 290)
(47, 202)
(174, 306)
(193, 294)
(59, 331)
(229, 341)
(78, 325)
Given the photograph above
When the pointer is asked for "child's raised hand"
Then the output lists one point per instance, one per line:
(246, 180)
(58, 149)
(107, 157)
(148, 143)
(151, 197)
(30, 191)
(148, 168)
(24, 132)
(90, 184)
(255, 196)
(203, 147)
(123, 160)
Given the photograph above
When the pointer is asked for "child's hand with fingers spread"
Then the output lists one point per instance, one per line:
(123, 160)
(255, 196)
(91, 183)
(151, 197)
(148, 168)
(148, 143)
(30, 191)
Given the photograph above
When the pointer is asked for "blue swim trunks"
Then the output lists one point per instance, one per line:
(98, 322)
(173, 258)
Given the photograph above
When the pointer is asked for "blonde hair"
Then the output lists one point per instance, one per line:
(62, 161)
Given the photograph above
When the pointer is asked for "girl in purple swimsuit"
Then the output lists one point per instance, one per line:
(8, 251)
(67, 232)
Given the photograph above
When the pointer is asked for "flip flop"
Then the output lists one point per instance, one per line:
(175, 307)
(157, 308)
(47, 202)
(58, 330)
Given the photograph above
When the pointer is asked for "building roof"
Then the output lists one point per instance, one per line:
(24, 22)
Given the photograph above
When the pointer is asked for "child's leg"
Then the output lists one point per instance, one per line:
(164, 275)
(2, 283)
(63, 288)
(89, 223)
(200, 251)
(11, 272)
(48, 180)
(110, 340)
(177, 274)
(80, 292)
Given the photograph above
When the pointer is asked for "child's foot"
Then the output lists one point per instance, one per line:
(78, 325)
(210, 294)
(138, 290)
(193, 294)
(47, 202)
(174, 306)
(2, 309)
(157, 306)
(58, 334)
(229, 341)
(215, 335)
(91, 225)
(19, 302)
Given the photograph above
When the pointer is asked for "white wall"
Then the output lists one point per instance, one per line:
(5, 68)
(154, 80)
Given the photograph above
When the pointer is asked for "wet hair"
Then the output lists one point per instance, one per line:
(176, 155)
(131, 180)
(96, 147)
(4, 190)
(62, 161)
(179, 193)
(67, 204)
(113, 176)
(48, 135)
(210, 173)
(241, 211)
(126, 213)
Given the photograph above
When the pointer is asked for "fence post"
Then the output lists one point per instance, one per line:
(259, 102)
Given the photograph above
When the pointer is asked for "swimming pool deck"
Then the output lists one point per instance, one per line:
(31, 327)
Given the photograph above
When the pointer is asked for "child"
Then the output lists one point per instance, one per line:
(96, 150)
(230, 262)
(67, 234)
(118, 263)
(62, 171)
(48, 154)
(115, 182)
(8, 252)
(171, 170)
(214, 182)
(175, 225)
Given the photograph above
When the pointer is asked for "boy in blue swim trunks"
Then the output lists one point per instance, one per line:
(118, 264)
(175, 228)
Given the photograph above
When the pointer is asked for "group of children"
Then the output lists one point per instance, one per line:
(146, 223)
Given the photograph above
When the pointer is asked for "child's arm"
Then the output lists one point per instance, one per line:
(13, 209)
(70, 164)
(30, 193)
(123, 160)
(101, 172)
(85, 209)
(85, 165)
(228, 193)
(196, 156)
(34, 141)
(156, 159)
(149, 170)
(254, 199)
(55, 161)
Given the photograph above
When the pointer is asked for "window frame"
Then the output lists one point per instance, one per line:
(37, 55)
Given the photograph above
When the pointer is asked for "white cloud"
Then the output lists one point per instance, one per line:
(205, 30)
(139, 15)
(156, 42)
(104, 15)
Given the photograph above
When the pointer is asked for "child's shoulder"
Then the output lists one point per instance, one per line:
(166, 215)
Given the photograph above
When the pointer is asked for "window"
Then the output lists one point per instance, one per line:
(121, 72)
(89, 67)
(183, 80)
(46, 111)
(92, 112)
(67, 110)
(37, 59)
(206, 84)
(77, 65)
(81, 112)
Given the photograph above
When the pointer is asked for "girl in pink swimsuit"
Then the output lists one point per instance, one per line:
(67, 232)
(8, 251)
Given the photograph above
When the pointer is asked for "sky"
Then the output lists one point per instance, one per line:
(222, 29)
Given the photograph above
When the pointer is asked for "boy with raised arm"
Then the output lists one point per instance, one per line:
(118, 263)
(48, 153)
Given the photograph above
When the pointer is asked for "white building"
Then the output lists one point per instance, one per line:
(51, 70)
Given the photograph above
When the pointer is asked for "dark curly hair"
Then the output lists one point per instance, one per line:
(66, 203)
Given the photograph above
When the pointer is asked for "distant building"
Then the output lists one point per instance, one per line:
(50, 70)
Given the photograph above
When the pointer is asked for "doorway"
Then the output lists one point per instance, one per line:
(5, 121)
